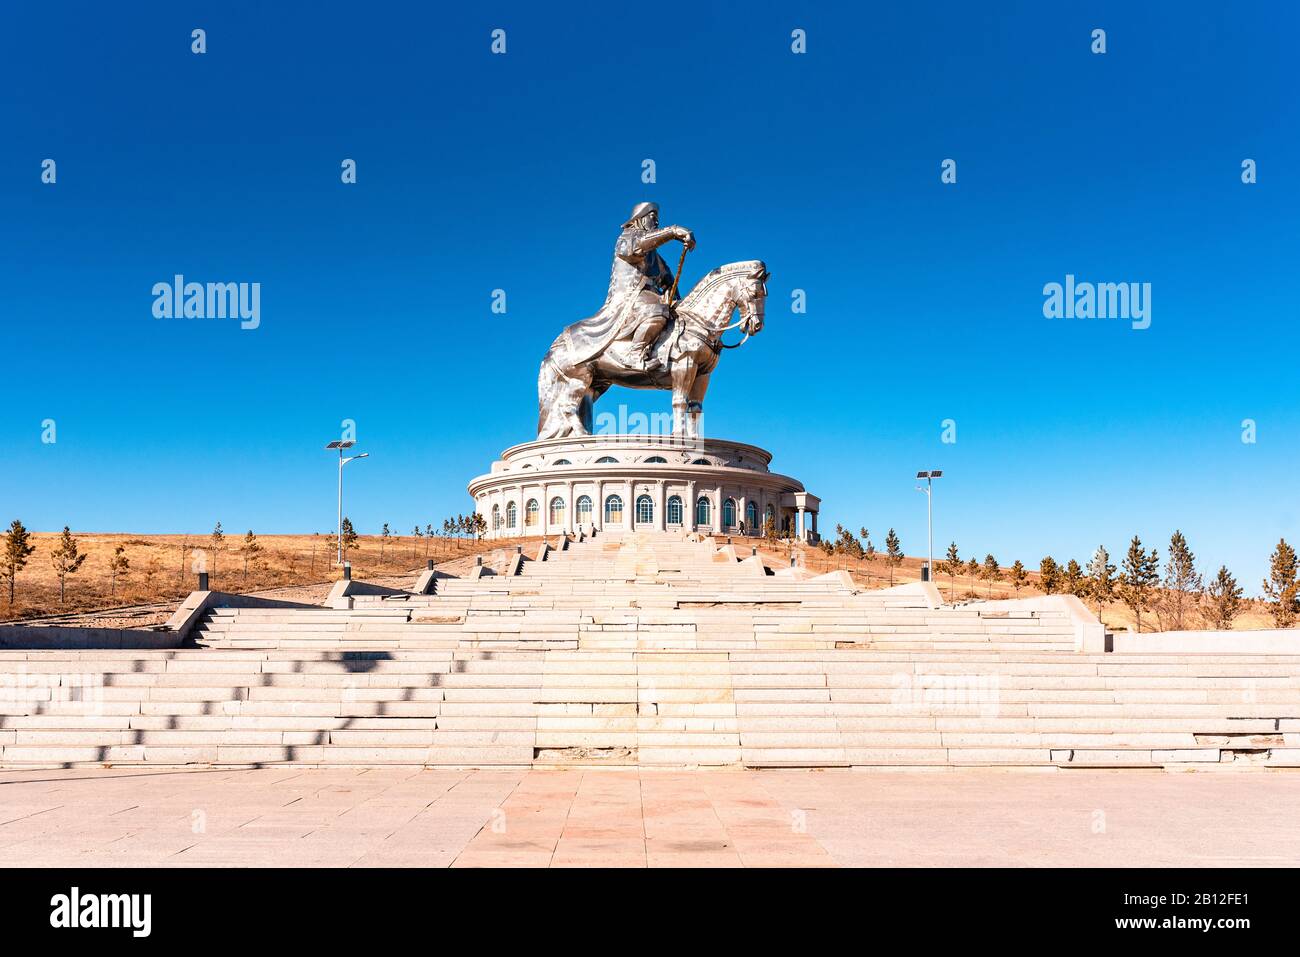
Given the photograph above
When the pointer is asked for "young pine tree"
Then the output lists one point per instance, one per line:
(14, 552)
(151, 570)
(1072, 580)
(350, 536)
(118, 566)
(1223, 600)
(216, 538)
(893, 554)
(972, 571)
(1018, 577)
(1139, 578)
(1182, 584)
(383, 540)
(1281, 587)
(1101, 578)
(66, 558)
(1049, 575)
(952, 564)
(249, 550)
(990, 573)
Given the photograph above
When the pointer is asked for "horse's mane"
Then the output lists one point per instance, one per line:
(752, 267)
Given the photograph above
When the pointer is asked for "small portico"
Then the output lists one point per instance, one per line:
(804, 506)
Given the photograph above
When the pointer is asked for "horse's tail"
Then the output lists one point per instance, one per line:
(549, 380)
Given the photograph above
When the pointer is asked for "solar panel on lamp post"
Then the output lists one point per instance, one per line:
(342, 444)
(929, 477)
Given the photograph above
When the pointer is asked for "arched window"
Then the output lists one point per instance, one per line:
(613, 510)
(701, 462)
(584, 509)
(751, 516)
(561, 462)
(606, 460)
(675, 510)
(512, 515)
(557, 511)
(496, 517)
(729, 513)
(703, 512)
(530, 513)
(656, 460)
(769, 514)
(645, 510)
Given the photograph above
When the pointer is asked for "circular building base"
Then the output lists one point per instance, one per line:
(642, 483)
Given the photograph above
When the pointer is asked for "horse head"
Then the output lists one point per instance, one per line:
(736, 286)
(753, 295)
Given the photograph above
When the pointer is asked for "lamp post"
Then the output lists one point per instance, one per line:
(928, 489)
(341, 445)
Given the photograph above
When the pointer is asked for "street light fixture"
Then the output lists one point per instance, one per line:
(341, 445)
(928, 489)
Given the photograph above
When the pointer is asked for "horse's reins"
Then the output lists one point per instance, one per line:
(710, 337)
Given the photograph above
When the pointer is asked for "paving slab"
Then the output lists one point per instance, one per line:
(411, 817)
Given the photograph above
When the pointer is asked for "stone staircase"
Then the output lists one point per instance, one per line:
(750, 708)
(645, 593)
(649, 651)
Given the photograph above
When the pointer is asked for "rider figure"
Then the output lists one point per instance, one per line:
(639, 270)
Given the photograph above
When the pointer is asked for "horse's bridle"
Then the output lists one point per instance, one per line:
(713, 337)
(739, 322)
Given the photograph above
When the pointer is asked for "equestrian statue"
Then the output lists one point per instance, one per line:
(643, 337)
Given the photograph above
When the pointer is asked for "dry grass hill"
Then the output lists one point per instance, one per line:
(161, 572)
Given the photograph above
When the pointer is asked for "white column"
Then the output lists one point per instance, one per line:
(661, 506)
(799, 523)
(570, 506)
(688, 520)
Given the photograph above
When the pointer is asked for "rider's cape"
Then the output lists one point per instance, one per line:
(628, 281)
(588, 338)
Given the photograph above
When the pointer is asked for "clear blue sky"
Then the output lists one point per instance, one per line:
(479, 172)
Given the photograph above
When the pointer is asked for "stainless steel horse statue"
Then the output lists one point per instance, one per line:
(644, 340)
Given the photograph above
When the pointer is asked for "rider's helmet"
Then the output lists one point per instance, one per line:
(639, 210)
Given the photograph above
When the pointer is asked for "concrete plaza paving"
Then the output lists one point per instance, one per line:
(293, 816)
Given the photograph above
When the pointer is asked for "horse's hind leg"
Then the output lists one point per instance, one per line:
(560, 397)
(577, 401)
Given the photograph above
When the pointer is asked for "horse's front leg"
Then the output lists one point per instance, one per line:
(683, 378)
(695, 404)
